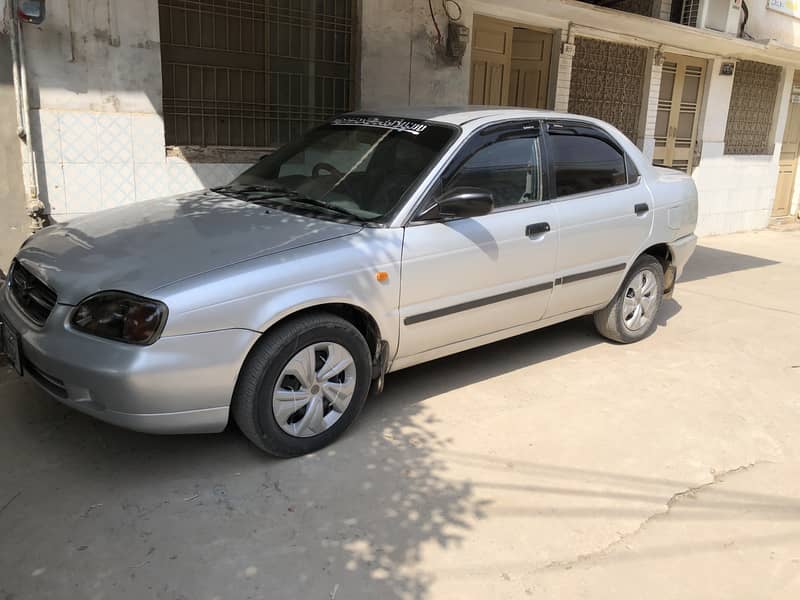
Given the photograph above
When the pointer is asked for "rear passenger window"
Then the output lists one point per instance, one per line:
(585, 164)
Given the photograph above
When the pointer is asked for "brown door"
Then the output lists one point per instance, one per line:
(491, 61)
(679, 101)
(530, 68)
(787, 167)
(510, 65)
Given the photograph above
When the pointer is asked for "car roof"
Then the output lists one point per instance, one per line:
(459, 115)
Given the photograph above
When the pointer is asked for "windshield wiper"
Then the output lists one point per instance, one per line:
(301, 199)
(256, 193)
(241, 189)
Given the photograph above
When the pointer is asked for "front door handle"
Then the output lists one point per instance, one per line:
(641, 209)
(537, 229)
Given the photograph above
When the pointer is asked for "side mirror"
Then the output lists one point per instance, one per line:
(459, 203)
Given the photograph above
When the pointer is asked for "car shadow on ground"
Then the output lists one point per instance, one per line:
(709, 262)
(357, 514)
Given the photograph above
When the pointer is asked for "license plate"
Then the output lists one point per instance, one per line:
(10, 344)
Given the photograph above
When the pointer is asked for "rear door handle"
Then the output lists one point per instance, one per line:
(537, 229)
(641, 209)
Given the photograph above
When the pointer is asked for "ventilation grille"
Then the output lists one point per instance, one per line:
(33, 297)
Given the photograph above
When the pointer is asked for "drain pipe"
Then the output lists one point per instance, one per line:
(11, 27)
(35, 206)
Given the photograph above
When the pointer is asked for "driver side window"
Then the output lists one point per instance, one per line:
(510, 169)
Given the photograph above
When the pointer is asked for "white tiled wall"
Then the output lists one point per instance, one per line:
(88, 161)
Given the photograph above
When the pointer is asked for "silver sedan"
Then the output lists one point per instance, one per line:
(375, 242)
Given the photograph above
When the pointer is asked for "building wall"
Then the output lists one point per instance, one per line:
(736, 192)
(14, 221)
(95, 83)
(95, 79)
(765, 24)
(401, 63)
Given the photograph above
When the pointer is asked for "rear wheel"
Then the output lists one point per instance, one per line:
(631, 315)
(302, 385)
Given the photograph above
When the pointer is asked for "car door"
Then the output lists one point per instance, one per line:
(465, 278)
(605, 214)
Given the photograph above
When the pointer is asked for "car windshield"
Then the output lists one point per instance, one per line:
(354, 166)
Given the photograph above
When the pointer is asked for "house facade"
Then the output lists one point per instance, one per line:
(119, 102)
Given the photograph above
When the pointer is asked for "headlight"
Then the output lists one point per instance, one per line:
(121, 317)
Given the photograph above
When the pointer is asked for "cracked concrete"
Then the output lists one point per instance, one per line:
(671, 501)
(554, 465)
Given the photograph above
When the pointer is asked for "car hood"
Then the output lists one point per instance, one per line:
(144, 246)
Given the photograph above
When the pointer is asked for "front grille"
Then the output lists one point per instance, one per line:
(34, 298)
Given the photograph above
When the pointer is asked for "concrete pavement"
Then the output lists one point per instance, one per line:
(553, 465)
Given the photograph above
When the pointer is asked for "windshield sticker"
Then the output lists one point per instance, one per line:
(402, 125)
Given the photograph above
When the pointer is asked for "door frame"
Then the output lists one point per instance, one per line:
(555, 53)
(786, 210)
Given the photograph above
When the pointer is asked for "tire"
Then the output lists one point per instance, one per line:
(617, 321)
(280, 357)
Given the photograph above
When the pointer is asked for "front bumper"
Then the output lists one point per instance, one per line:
(180, 384)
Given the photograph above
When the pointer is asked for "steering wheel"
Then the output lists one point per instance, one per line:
(323, 166)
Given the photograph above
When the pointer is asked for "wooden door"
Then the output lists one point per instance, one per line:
(531, 52)
(787, 166)
(491, 61)
(510, 64)
(679, 102)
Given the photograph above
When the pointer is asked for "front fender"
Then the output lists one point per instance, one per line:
(257, 294)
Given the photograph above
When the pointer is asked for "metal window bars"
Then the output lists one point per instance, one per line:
(253, 73)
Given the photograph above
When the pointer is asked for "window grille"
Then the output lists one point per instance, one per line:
(608, 82)
(253, 73)
(755, 90)
(689, 11)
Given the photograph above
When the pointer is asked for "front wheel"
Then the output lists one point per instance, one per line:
(631, 315)
(302, 385)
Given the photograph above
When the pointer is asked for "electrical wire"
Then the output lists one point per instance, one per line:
(435, 24)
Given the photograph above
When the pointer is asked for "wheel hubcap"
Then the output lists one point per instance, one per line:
(639, 305)
(314, 389)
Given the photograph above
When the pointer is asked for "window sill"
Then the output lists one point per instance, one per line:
(217, 154)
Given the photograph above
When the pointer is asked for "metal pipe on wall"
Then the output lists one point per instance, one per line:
(35, 206)
(10, 24)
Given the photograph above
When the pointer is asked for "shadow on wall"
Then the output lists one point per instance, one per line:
(708, 262)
